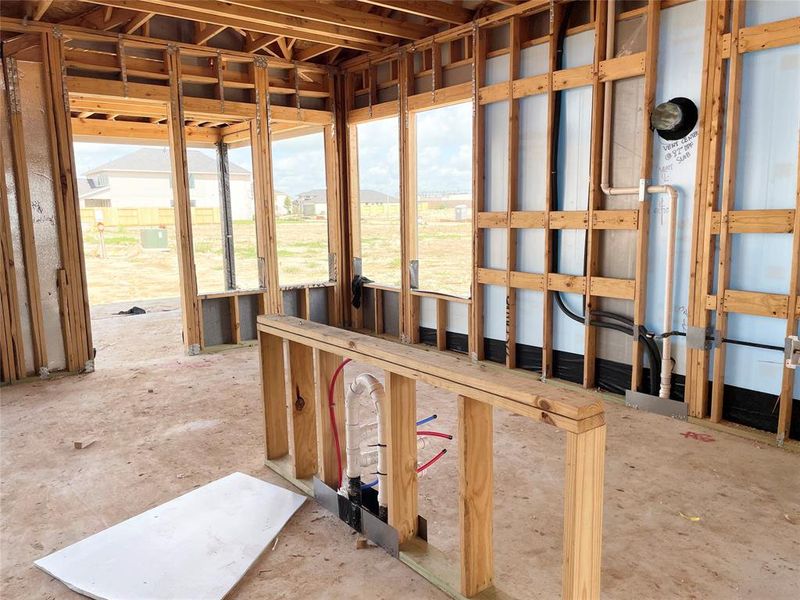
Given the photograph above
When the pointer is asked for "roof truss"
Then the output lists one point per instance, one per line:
(289, 29)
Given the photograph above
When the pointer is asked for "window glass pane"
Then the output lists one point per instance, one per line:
(301, 208)
(379, 199)
(245, 248)
(444, 199)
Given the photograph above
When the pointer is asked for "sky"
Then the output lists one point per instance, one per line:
(444, 155)
(444, 152)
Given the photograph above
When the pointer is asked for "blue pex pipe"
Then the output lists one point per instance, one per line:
(366, 486)
(427, 420)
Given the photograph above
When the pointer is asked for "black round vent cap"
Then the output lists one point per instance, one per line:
(675, 119)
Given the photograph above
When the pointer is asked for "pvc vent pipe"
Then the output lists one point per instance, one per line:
(368, 385)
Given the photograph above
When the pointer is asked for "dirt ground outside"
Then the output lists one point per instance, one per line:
(712, 516)
(130, 271)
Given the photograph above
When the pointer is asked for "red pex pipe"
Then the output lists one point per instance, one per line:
(333, 419)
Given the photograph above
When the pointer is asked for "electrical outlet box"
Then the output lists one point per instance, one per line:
(792, 352)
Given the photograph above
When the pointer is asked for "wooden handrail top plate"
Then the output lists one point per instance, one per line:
(574, 411)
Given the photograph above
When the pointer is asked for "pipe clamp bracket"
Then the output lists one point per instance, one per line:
(791, 352)
(643, 183)
(702, 338)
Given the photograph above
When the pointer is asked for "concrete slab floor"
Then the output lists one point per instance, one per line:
(684, 518)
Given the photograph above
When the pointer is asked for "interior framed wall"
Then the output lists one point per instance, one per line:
(531, 247)
(739, 232)
(163, 91)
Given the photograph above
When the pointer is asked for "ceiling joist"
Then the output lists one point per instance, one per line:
(204, 32)
(438, 11)
(137, 21)
(39, 8)
(338, 15)
(217, 12)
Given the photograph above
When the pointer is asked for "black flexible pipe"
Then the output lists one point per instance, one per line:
(727, 341)
(644, 336)
(628, 328)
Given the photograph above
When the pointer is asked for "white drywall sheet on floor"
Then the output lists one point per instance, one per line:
(197, 546)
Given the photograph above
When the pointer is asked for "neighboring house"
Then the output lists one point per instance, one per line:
(143, 179)
(375, 197)
(283, 203)
(313, 202)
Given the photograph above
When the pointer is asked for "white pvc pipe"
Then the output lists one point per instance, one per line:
(370, 457)
(365, 384)
(669, 276)
(605, 186)
(352, 434)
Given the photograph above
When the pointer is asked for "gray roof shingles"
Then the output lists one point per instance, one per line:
(156, 160)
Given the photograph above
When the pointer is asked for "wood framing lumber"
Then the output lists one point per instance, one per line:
(440, 11)
(645, 173)
(138, 21)
(583, 514)
(25, 215)
(575, 219)
(266, 239)
(300, 402)
(236, 325)
(756, 221)
(528, 281)
(381, 111)
(569, 219)
(273, 392)
(622, 67)
(769, 35)
(512, 201)
(552, 128)
(99, 34)
(354, 206)
(11, 344)
(74, 297)
(190, 311)
(401, 446)
(409, 305)
(566, 79)
(336, 270)
(441, 324)
(732, 113)
(325, 364)
(709, 148)
(475, 494)
(129, 130)
(342, 16)
(753, 303)
(204, 32)
(440, 97)
(571, 410)
(792, 322)
(403, 366)
(475, 338)
(216, 12)
(40, 8)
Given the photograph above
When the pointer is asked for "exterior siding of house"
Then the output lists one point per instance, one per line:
(154, 190)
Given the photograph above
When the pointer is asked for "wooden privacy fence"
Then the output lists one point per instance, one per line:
(298, 359)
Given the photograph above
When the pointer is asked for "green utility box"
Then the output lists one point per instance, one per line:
(154, 238)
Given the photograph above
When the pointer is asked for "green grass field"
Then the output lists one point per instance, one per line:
(129, 272)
